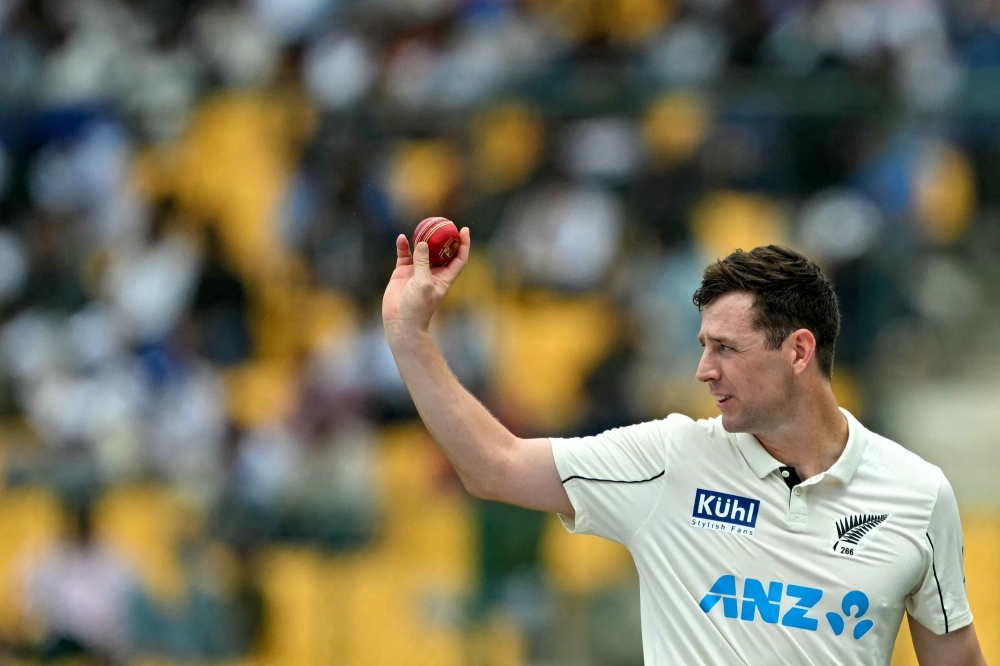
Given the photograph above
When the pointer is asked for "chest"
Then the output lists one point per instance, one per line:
(830, 558)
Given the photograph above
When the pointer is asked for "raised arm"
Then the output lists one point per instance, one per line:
(491, 462)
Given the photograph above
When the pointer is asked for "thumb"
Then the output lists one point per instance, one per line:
(422, 263)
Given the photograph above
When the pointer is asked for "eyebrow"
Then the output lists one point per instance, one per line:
(725, 341)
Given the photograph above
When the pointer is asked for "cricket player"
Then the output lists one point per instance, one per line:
(781, 532)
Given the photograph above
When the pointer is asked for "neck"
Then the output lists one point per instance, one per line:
(813, 438)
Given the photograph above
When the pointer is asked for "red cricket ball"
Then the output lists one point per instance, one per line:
(441, 236)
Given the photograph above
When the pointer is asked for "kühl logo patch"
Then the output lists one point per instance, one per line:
(722, 512)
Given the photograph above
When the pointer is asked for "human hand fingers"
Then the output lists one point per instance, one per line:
(403, 256)
(450, 271)
(422, 265)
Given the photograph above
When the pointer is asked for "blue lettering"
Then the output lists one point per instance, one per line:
(725, 589)
(769, 605)
(862, 628)
(796, 615)
(859, 600)
(854, 600)
(854, 605)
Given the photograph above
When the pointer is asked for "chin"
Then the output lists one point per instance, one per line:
(733, 423)
(729, 424)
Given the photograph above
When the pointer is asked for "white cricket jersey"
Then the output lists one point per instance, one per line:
(737, 567)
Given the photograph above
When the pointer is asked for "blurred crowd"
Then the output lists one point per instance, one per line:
(198, 201)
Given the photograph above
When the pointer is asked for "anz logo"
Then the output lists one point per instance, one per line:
(767, 603)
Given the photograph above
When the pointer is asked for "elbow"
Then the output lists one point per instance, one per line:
(476, 489)
(481, 487)
(490, 481)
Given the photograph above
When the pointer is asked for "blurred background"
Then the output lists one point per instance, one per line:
(207, 453)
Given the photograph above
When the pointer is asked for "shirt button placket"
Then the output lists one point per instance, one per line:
(797, 510)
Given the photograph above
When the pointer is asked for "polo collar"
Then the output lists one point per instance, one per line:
(763, 463)
(847, 464)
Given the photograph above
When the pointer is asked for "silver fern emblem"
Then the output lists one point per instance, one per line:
(853, 528)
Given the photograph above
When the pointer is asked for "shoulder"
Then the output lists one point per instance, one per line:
(891, 464)
(674, 427)
(683, 438)
(674, 434)
(683, 430)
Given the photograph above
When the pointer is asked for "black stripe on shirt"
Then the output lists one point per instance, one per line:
(940, 596)
(587, 478)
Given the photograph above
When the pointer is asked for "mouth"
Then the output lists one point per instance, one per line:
(722, 400)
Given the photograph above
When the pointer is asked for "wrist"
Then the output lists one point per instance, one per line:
(403, 333)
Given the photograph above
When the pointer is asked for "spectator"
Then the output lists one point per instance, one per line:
(79, 590)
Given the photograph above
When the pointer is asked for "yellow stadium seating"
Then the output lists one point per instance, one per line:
(30, 519)
(546, 345)
(583, 564)
(144, 523)
(377, 606)
(725, 221)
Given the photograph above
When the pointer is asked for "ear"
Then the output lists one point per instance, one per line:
(801, 346)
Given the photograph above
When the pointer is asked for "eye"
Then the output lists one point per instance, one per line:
(725, 348)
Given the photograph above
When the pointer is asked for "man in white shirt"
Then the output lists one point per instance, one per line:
(781, 532)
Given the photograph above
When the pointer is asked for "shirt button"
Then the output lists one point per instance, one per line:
(784, 473)
(798, 491)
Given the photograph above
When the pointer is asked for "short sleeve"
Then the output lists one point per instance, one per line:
(613, 479)
(940, 602)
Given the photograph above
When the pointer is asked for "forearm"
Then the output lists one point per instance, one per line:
(473, 440)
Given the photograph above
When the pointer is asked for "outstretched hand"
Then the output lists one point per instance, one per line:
(416, 288)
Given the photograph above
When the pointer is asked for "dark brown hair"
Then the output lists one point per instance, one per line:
(790, 292)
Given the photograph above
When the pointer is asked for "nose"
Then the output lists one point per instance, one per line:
(707, 370)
